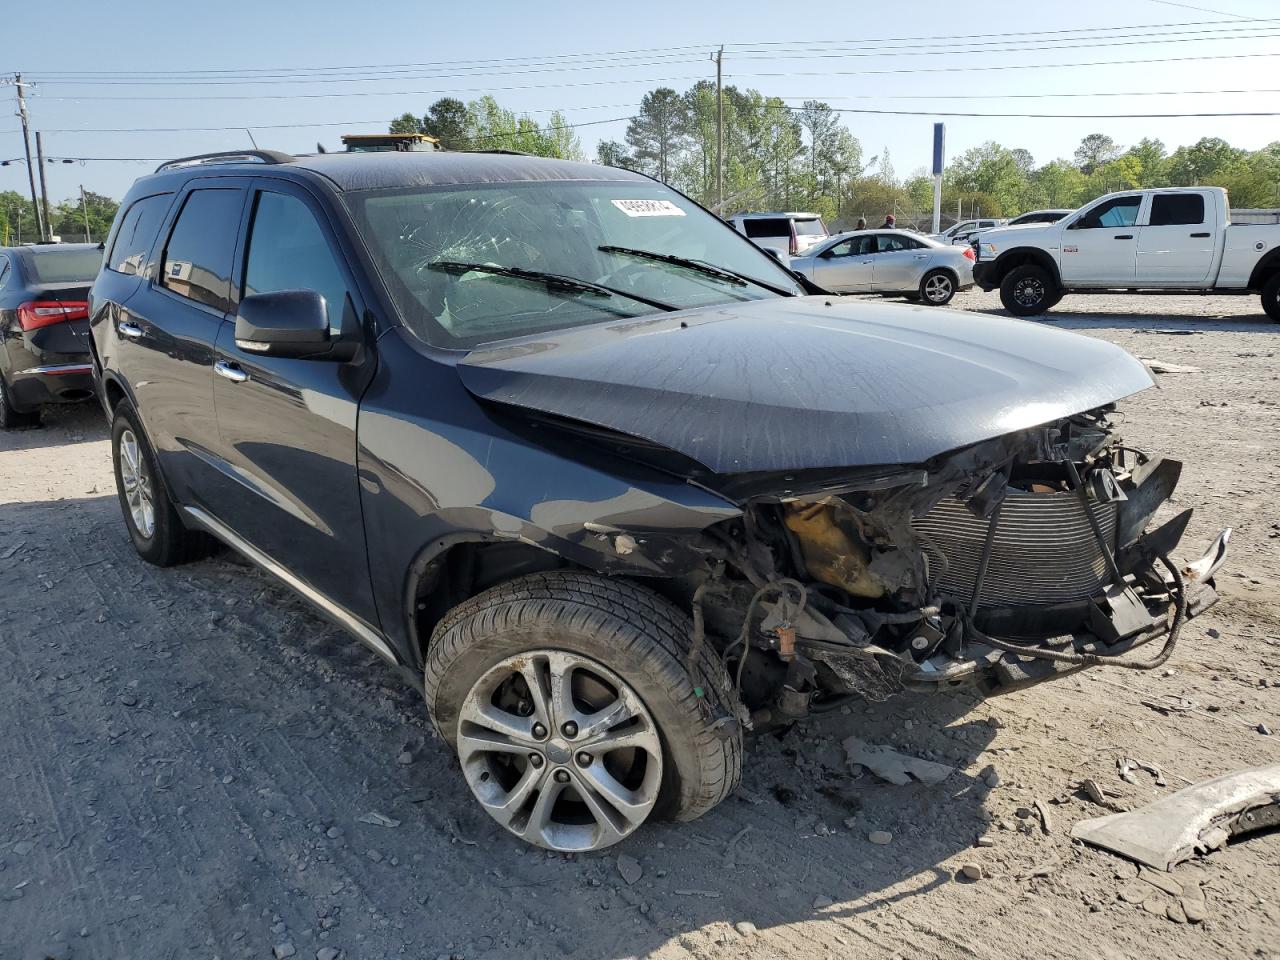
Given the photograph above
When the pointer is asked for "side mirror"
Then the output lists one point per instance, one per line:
(286, 323)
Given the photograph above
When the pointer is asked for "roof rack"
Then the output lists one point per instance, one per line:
(228, 156)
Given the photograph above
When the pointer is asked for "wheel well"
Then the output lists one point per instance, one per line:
(443, 579)
(1264, 270)
(115, 393)
(1022, 257)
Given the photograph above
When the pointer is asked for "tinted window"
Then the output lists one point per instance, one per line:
(810, 228)
(64, 266)
(197, 259)
(853, 247)
(775, 227)
(1168, 209)
(1120, 212)
(137, 230)
(4, 272)
(288, 251)
(888, 242)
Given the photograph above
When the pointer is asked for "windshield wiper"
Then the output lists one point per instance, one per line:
(710, 270)
(554, 282)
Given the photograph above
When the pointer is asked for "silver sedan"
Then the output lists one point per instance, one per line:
(890, 262)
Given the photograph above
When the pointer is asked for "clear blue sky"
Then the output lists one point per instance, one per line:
(446, 41)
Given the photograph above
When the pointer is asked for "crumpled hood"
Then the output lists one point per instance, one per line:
(808, 382)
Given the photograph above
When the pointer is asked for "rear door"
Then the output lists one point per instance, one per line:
(1100, 247)
(162, 336)
(1177, 243)
(899, 261)
(847, 266)
(287, 427)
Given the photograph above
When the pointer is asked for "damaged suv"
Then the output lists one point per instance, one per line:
(610, 482)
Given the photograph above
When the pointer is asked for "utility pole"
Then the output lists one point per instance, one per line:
(26, 143)
(719, 59)
(84, 207)
(44, 189)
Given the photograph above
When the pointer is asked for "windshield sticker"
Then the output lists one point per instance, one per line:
(648, 208)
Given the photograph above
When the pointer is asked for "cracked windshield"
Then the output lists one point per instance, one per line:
(474, 264)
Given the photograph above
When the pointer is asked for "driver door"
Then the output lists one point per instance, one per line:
(846, 267)
(1100, 247)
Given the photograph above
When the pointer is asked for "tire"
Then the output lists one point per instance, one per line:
(1028, 290)
(637, 638)
(1271, 297)
(937, 287)
(10, 418)
(153, 524)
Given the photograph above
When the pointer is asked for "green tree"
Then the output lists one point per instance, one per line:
(68, 217)
(657, 132)
(406, 123)
(446, 120)
(1203, 163)
(1095, 150)
(1057, 184)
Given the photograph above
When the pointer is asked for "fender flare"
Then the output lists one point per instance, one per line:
(1018, 256)
(1264, 269)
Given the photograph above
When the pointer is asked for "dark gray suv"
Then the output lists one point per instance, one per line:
(610, 481)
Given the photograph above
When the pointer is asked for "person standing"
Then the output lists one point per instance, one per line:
(862, 224)
(890, 221)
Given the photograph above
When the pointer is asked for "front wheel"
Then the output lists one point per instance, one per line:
(576, 712)
(937, 287)
(1271, 297)
(1028, 290)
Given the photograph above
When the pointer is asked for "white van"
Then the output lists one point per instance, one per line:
(787, 234)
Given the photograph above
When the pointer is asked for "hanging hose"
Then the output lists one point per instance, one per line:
(1102, 659)
(744, 635)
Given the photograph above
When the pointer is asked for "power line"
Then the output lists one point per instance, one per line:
(1053, 116)
(805, 53)
(1187, 6)
(1000, 37)
(664, 80)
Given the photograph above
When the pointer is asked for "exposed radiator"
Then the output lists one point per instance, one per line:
(1045, 552)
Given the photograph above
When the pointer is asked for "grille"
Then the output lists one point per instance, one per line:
(1044, 553)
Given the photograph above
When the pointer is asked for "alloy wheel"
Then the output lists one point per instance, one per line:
(560, 750)
(136, 480)
(1029, 292)
(938, 288)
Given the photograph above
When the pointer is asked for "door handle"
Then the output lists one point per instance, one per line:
(130, 330)
(1200, 234)
(230, 371)
(1123, 236)
(922, 256)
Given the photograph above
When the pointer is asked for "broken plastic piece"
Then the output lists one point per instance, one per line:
(1199, 818)
(888, 764)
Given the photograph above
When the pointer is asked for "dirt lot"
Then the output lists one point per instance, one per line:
(187, 755)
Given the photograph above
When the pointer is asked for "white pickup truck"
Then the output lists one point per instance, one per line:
(1169, 240)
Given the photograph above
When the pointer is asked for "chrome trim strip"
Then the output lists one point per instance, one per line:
(342, 617)
(58, 368)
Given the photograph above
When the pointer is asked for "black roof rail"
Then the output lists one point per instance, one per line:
(228, 156)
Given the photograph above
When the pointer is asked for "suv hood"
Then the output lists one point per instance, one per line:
(807, 382)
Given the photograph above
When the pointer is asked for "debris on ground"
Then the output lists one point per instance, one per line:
(1196, 819)
(881, 838)
(1046, 820)
(379, 819)
(1163, 366)
(1126, 766)
(897, 768)
(629, 868)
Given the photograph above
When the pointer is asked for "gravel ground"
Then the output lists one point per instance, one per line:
(191, 757)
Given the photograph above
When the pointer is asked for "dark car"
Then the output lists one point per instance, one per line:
(44, 328)
(602, 475)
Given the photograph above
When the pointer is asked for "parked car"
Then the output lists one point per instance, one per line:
(962, 231)
(44, 328)
(786, 234)
(889, 261)
(557, 441)
(1170, 240)
(1038, 216)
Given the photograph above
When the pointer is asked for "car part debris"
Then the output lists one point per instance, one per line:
(1046, 819)
(1204, 568)
(1099, 796)
(1196, 819)
(1126, 766)
(1168, 703)
(897, 768)
(1163, 366)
